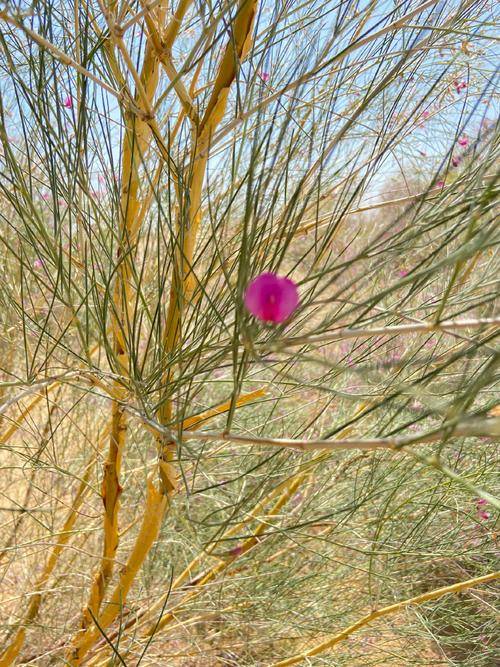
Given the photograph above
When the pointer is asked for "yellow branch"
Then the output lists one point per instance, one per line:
(196, 420)
(153, 514)
(284, 488)
(180, 291)
(425, 597)
(182, 276)
(14, 427)
(137, 138)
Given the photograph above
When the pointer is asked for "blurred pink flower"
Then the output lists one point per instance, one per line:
(481, 501)
(455, 161)
(463, 141)
(402, 273)
(440, 184)
(265, 76)
(38, 263)
(483, 515)
(68, 102)
(236, 551)
(46, 196)
(271, 298)
(460, 85)
(426, 114)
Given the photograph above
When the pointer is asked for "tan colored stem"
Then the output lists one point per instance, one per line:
(385, 611)
(422, 327)
(25, 412)
(286, 488)
(156, 503)
(192, 421)
(182, 278)
(137, 138)
(180, 291)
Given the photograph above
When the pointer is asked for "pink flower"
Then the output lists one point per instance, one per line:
(236, 551)
(68, 102)
(38, 263)
(46, 196)
(271, 298)
(403, 273)
(460, 85)
(463, 141)
(265, 76)
(426, 114)
(481, 501)
(440, 184)
(455, 161)
(483, 515)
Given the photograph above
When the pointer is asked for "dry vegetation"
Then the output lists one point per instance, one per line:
(182, 484)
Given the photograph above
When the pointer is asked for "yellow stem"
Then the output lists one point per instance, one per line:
(182, 286)
(425, 597)
(137, 138)
(192, 421)
(180, 291)
(153, 514)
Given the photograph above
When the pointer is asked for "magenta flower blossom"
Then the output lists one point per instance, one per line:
(68, 102)
(460, 85)
(455, 161)
(265, 76)
(403, 273)
(271, 298)
(483, 515)
(463, 141)
(426, 113)
(38, 263)
(481, 501)
(440, 184)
